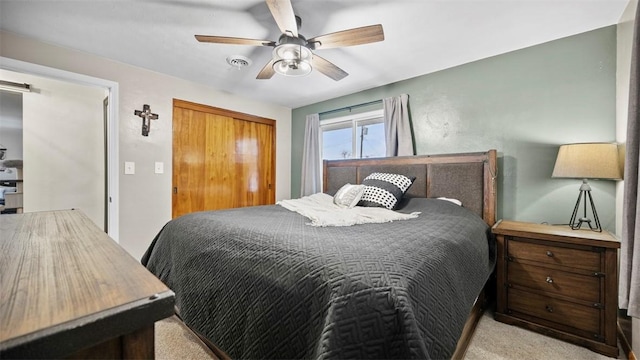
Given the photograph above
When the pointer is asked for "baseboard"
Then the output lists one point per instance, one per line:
(625, 344)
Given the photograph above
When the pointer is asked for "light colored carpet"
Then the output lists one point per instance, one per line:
(492, 341)
(175, 341)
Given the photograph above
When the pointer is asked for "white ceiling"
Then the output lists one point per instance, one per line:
(421, 36)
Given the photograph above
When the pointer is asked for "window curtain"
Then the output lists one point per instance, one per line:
(630, 248)
(397, 128)
(311, 170)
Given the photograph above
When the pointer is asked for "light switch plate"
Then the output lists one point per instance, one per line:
(129, 168)
(159, 168)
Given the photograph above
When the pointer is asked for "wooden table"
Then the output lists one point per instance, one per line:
(68, 290)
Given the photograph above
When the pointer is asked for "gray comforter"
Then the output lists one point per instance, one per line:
(259, 283)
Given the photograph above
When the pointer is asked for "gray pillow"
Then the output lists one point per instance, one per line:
(348, 196)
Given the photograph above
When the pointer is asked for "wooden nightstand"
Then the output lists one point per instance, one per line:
(559, 282)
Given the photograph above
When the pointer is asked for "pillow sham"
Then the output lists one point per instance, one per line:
(348, 196)
(385, 190)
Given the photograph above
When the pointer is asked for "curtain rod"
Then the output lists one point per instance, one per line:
(350, 107)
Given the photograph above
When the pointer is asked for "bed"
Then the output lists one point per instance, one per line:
(259, 282)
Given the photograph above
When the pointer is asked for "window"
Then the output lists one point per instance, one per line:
(353, 136)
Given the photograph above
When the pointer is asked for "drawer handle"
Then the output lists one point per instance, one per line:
(549, 253)
(549, 280)
(549, 308)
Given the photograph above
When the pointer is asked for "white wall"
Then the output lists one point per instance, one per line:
(63, 141)
(623, 66)
(145, 198)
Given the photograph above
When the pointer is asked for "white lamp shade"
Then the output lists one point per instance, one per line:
(588, 161)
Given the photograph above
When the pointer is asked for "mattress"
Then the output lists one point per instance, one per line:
(260, 283)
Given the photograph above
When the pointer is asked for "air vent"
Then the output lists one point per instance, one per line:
(238, 61)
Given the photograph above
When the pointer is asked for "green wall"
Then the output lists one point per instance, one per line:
(524, 104)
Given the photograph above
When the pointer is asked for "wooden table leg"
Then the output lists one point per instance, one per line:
(139, 344)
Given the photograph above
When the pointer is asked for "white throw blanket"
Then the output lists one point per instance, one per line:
(320, 209)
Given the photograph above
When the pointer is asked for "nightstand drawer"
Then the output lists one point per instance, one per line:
(549, 254)
(564, 313)
(583, 287)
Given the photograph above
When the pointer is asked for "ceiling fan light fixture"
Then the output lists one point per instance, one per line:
(292, 53)
(292, 60)
(292, 67)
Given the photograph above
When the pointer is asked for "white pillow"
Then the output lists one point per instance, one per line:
(455, 201)
(348, 195)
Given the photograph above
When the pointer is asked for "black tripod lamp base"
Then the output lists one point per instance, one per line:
(585, 192)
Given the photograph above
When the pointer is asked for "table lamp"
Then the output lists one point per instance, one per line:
(587, 161)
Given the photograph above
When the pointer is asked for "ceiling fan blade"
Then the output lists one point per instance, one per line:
(266, 72)
(233, 40)
(356, 36)
(282, 12)
(328, 68)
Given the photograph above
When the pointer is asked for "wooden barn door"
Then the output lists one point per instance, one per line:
(221, 159)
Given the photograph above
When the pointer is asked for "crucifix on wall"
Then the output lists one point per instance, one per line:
(146, 116)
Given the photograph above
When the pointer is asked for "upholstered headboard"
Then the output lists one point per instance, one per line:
(468, 177)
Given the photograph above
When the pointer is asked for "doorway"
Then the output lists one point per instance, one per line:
(10, 151)
(107, 215)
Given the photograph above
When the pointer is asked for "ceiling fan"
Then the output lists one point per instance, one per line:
(292, 54)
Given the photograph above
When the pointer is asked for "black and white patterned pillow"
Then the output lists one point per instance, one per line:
(384, 190)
